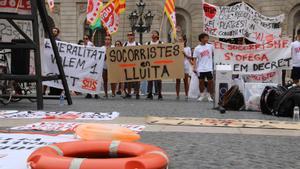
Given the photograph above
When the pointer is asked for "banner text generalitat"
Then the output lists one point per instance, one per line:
(77, 50)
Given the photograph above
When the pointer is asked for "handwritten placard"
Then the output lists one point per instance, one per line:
(240, 20)
(149, 62)
(254, 58)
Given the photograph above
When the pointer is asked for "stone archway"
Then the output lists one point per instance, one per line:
(184, 22)
(294, 20)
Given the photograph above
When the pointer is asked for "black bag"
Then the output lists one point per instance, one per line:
(233, 99)
(269, 97)
(284, 106)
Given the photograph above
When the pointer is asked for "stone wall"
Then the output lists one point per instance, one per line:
(69, 16)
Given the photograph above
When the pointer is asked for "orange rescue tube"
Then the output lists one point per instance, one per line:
(105, 132)
(98, 155)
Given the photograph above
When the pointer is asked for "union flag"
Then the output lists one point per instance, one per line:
(171, 14)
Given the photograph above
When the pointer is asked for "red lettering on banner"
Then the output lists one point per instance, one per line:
(251, 57)
(204, 53)
(263, 77)
(23, 4)
(89, 84)
(244, 47)
(259, 36)
(228, 56)
(277, 44)
(218, 45)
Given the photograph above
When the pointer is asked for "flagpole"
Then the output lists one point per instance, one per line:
(93, 36)
(18, 4)
(162, 21)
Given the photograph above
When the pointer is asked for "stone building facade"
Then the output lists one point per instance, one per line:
(70, 16)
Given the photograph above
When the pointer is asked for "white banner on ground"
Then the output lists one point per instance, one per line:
(16, 148)
(68, 126)
(254, 58)
(240, 20)
(60, 115)
(82, 65)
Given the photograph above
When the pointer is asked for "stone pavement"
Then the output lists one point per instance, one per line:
(191, 147)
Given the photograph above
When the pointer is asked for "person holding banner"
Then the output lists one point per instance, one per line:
(87, 43)
(131, 42)
(155, 40)
(203, 54)
(187, 66)
(118, 43)
(108, 44)
(53, 90)
(296, 59)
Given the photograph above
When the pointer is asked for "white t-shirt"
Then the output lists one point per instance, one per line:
(89, 44)
(296, 53)
(188, 52)
(204, 56)
(134, 43)
(155, 43)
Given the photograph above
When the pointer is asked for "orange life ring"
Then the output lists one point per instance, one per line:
(98, 155)
(105, 132)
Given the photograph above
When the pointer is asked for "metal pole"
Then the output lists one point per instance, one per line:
(45, 22)
(37, 55)
(141, 38)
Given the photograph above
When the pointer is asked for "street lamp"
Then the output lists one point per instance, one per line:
(139, 21)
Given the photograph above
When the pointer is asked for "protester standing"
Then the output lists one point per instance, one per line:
(131, 42)
(108, 44)
(203, 54)
(154, 41)
(53, 90)
(187, 67)
(120, 91)
(87, 43)
(296, 59)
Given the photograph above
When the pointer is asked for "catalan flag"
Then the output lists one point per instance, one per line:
(171, 14)
(120, 6)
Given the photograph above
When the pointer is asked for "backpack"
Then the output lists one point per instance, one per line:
(284, 106)
(233, 99)
(269, 97)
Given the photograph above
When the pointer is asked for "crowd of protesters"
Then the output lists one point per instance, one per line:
(199, 62)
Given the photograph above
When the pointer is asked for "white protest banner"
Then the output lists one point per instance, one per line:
(254, 58)
(15, 6)
(82, 65)
(240, 20)
(16, 148)
(60, 115)
(68, 126)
